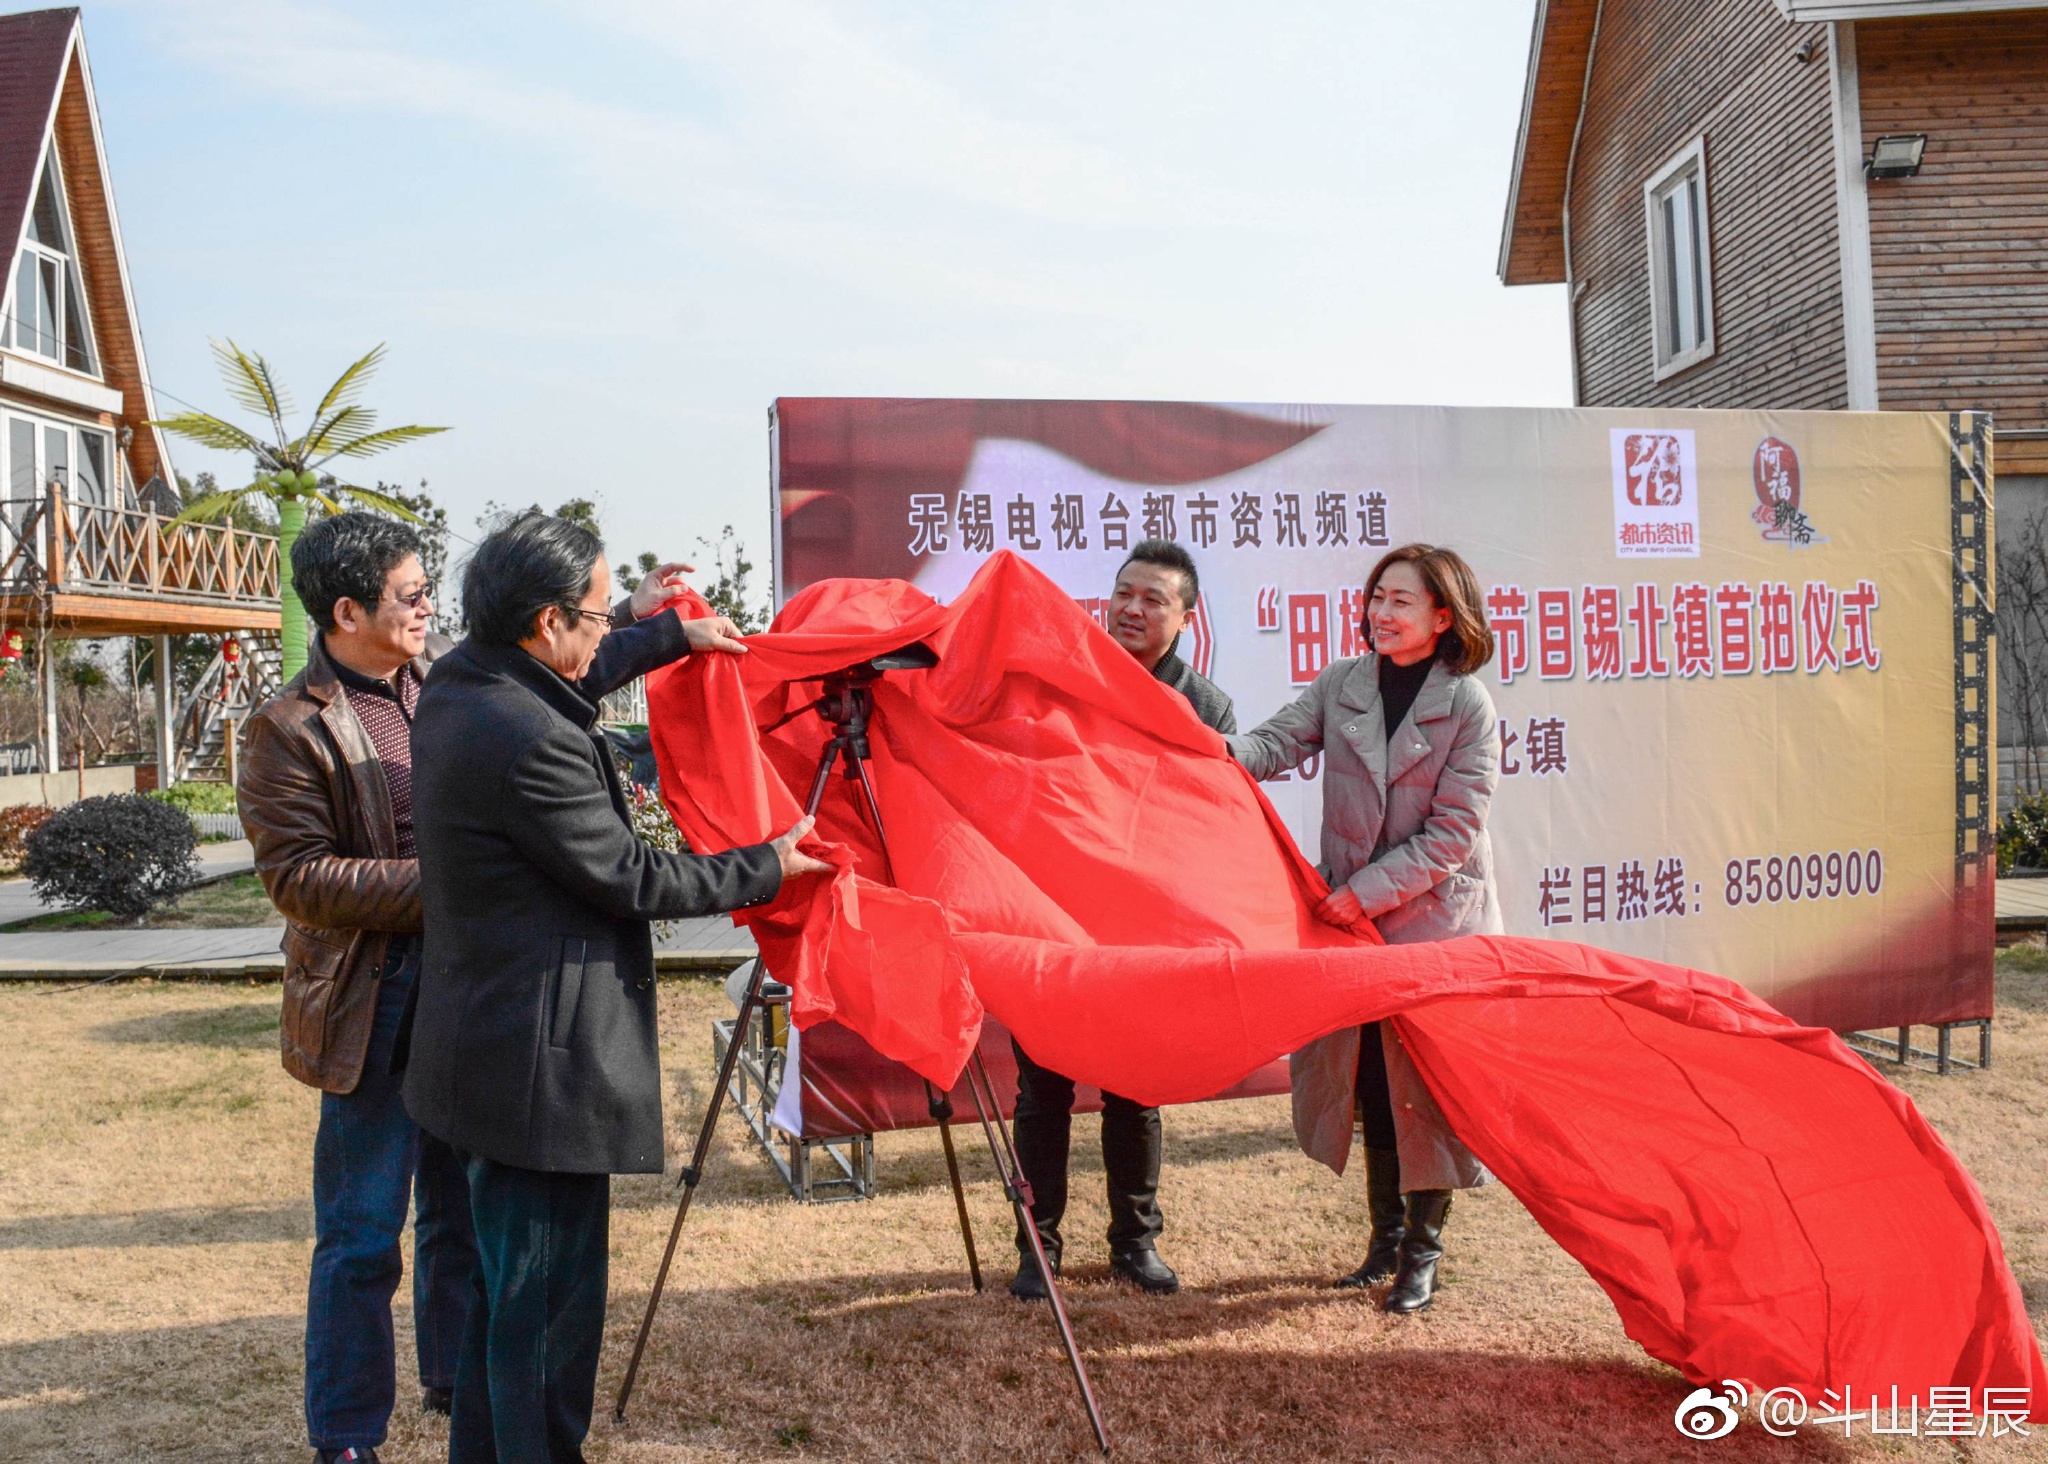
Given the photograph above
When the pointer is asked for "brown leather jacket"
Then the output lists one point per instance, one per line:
(315, 804)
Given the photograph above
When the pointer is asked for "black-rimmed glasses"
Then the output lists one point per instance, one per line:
(602, 617)
(419, 596)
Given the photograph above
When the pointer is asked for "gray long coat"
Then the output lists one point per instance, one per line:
(1404, 824)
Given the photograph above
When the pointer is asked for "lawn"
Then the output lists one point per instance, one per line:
(225, 904)
(155, 1228)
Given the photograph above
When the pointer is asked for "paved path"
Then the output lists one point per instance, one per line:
(2023, 903)
(216, 861)
(711, 944)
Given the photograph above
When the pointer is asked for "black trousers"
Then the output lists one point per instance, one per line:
(528, 1375)
(1131, 1146)
(1375, 1102)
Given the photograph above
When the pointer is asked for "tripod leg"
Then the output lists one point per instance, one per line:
(992, 1124)
(1019, 1191)
(942, 1109)
(692, 1173)
(858, 766)
(825, 757)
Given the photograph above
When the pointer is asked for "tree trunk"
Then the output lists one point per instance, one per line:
(291, 630)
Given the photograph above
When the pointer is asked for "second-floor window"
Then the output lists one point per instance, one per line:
(46, 310)
(1681, 262)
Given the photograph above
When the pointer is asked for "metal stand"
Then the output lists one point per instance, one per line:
(848, 704)
(817, 1170)
(1943, 1056)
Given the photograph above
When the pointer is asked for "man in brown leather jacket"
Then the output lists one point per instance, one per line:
(326, 796)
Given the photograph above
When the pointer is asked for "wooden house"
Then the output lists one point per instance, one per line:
(1810, 203)
(85, 546)
(1795, 203)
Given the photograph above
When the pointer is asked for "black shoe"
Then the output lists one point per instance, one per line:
(354, 1454)
(1144, 1270)
(1389, 1220)
(1421, 1248)
(437, 1400)
(1029, 1284)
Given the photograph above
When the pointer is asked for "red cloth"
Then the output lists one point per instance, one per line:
(1075, 850)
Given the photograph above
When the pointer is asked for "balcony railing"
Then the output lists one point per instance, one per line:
(56, 543)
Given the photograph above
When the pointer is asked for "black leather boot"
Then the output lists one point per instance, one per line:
(1422, 1246)
(1029, 1282)
(1144, 1270)
(1383, 1202)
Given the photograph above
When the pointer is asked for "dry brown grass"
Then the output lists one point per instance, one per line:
(155, 1230)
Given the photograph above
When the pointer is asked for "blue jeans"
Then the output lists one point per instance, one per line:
(529, 1364)
(365, 1160)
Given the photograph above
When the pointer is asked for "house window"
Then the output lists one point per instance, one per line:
(1681, 262)
(79, 460)
(46, 307)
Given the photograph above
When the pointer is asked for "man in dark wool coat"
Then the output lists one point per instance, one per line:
(533, 1048)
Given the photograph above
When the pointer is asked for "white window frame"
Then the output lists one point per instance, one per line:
(1689, 164)
(114, 489)
(70, 275)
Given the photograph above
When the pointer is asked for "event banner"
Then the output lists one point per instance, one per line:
(1744, 666)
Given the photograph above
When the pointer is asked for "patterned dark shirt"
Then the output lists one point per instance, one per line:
(386, 712)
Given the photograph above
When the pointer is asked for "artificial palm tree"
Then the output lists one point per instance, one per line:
(290, 471)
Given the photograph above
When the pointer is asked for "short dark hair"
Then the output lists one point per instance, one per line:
(518, 571)
(348, 556)
(1168, 555)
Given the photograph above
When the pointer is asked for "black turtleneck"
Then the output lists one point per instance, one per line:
(1398, 688)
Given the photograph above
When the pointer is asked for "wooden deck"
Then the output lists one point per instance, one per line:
(97, 571)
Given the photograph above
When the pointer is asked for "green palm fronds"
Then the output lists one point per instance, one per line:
(249, 381)
(349, 385)
(341, 427)
(288, 469)
(372, 443)
(337, 426)
(213, 505)
(383, 502)
(211, 431)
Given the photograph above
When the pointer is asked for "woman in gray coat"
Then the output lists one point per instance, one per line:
(1411, 751)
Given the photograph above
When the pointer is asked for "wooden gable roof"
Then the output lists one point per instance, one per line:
(1532, 238)
(46, 97)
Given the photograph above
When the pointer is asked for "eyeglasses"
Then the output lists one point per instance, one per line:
(417, 597)
(602, 617)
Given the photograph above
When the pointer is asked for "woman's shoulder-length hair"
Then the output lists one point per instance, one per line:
(1468, 644)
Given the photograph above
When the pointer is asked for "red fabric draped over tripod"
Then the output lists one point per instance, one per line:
(1073, 849)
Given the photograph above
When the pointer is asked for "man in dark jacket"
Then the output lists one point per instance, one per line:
(1155, 595)
(534, 1049)
(326, 797)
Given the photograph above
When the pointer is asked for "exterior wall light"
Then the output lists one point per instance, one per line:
(1896, 157)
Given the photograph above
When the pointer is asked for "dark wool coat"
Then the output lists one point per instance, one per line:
(534, 1040)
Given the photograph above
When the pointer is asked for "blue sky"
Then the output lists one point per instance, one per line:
(601, 237)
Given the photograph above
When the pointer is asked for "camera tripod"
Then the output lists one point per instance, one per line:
(848, 705)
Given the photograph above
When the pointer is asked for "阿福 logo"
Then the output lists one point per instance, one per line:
(1775, 474)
